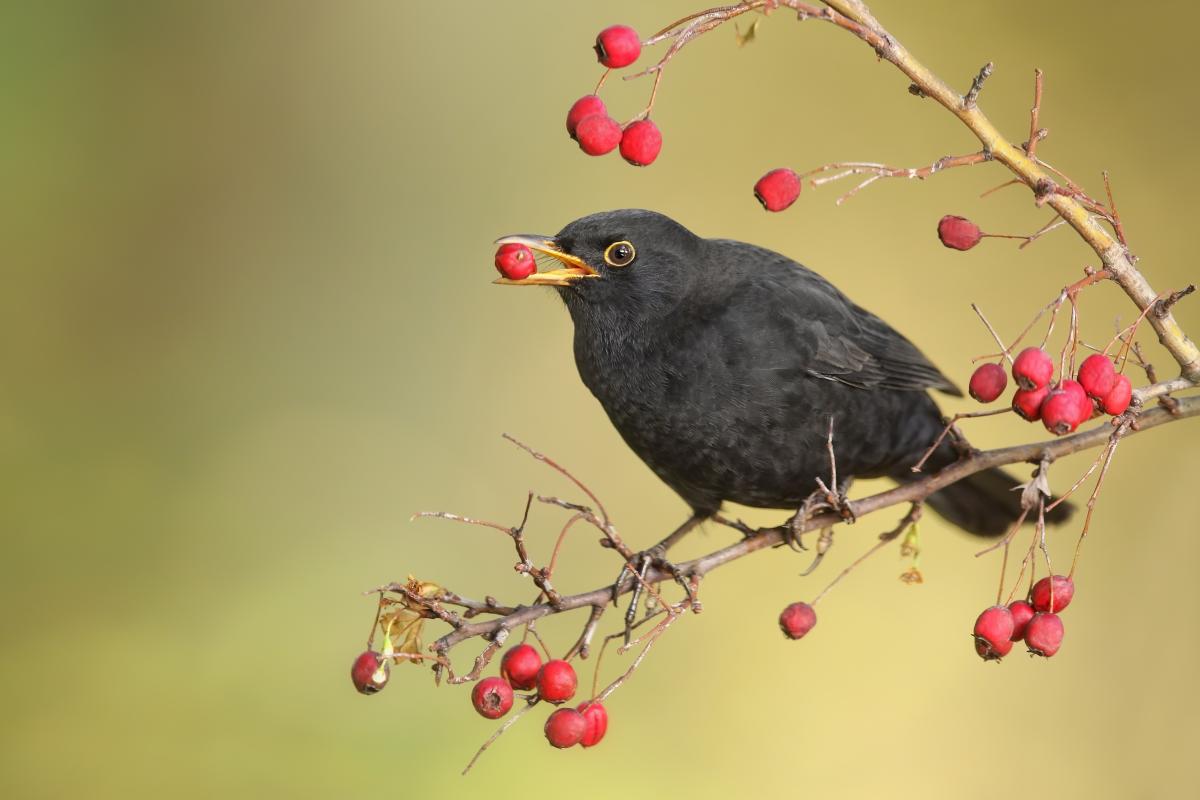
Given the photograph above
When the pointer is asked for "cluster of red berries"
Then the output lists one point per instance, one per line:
(515, 261)
(588, 122)
(1064, 406)
(555, 682)
(1035, 621)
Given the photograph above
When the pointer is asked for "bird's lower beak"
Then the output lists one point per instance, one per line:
(574, 270)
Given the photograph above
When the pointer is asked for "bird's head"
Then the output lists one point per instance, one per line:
(631, 262)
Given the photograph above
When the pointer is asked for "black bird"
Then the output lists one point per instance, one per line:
(721, 365)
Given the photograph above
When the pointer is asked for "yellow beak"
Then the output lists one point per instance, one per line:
(574, 270)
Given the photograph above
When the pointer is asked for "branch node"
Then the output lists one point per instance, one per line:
(977, 85)
(1163, 307)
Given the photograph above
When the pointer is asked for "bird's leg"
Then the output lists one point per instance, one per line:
(656, 556)
(741, 527)
(822, 499)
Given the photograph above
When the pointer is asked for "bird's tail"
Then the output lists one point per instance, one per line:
(985, 504)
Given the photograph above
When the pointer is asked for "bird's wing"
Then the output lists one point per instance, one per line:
(831, 337)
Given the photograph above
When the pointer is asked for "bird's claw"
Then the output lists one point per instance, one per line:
(824, 542)
(642, 562)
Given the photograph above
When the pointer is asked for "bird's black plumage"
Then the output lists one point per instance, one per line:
(721, 364)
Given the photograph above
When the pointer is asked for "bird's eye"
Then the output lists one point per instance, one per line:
(619, 254)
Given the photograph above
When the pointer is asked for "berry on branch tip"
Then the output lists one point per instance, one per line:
(797, 620)
(565, 728)
(958, 233)
(515, 261)
(993, 633)
(492, 697)
(583, 107)
(640, 143)
(988, 382)
(1063, 590)
(520, 666)
(778, 189)
(1032, 368)
(618, 46)
(598, 134)
(1044, 635)
(370, 672)
(1097, 376)
(556, 681)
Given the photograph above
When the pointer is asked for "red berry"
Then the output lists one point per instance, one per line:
(520, 666)
(1028, 402)
(641, 142)
(988, 382)
(778, 189)
(1032, 368)
(1065, 408)
(585, 106)
(1064, 590)
(596, 718)
(515, 261)
(797, 620)
(618, 46)
(1021, 612)
(1044, 635)
(556, 681)
(370, 672)
(597, 134)
(565, 728)
(1096, 375)
(1117, 400)
(958, 233)
(993, 633)
(492, 697)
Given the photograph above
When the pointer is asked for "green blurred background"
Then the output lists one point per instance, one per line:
(247, 328)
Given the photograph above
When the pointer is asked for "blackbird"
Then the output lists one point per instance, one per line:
(722, 365)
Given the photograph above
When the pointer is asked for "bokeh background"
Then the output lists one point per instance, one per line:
(247, 328)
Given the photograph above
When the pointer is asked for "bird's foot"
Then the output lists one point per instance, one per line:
(746, 530)
(655, 557)
(824, 542)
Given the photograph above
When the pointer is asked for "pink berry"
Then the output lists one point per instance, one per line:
(1117, 400)
(492, 697)
(988, 382)
(778, 189)
(1044, 634)
(1032, 368)
(1096, 375)
(596, 717)
(1021, 612)
(556, 681)
(565, 728)
(1064, 590)
(370, 672)
(1028, 402)
(641, 142)
(1065, 408)
(597, 134)
(797, 620)
(585, 106)
(618, 46)
(958, 233)
(993, 633)
(515, 261)
(520, 666)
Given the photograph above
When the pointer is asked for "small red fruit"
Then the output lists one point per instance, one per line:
(1044, 635)
(1096, 375)
(778, 189)
(556, 681)
(993, 633)
(1028, 402)
(797, 620)
(1117, 400)
(492, 697)
(1021, 612)
(565, 728)
(618, 46)
(520, 666)
(1065, 408)
(1064, 590)
(515, 261)
(958, 233)
(585, 106)
(1032, 368)
(988, 382)
(641, 142)
(370, 672)
(596, 718)
(597, 134)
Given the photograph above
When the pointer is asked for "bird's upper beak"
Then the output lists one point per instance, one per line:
(575, 269)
